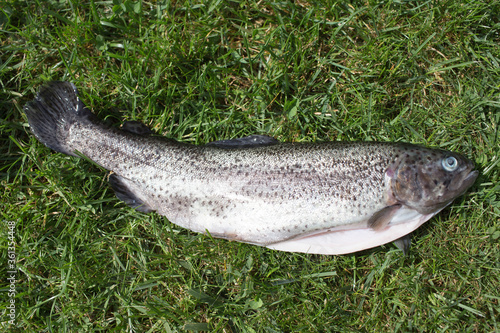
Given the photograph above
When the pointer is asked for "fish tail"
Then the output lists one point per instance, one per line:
(54, 110)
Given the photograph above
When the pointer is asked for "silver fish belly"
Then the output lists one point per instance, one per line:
(327, 198)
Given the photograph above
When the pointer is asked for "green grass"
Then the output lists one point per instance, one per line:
(426, 72)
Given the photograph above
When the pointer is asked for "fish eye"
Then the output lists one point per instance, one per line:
(450, 163)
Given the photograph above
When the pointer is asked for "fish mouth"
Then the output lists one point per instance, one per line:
(460, 186)
(456, 188)
(470, 179)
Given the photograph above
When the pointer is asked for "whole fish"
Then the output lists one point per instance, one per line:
(326, 198)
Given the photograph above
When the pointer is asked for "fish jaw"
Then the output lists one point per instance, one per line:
(344, 241)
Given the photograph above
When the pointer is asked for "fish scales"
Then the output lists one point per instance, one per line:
(306, 197)
(281, 177)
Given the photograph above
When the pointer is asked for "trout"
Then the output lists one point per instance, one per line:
(323, 198)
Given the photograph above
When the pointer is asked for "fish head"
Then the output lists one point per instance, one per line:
(428, 180)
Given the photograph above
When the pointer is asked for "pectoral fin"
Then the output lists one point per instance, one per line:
(381, 219)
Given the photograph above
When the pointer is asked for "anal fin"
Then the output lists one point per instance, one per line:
(126, 193)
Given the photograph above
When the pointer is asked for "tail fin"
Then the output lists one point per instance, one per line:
(54, 110)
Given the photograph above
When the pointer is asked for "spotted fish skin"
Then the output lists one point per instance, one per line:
(329, 198)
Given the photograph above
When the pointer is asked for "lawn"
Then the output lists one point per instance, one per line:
(425, 72)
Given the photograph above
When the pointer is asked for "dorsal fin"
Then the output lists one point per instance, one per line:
(245, 142)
